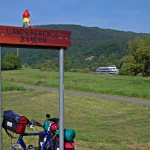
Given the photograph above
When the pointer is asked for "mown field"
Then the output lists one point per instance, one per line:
(88, 82)
(99, 123)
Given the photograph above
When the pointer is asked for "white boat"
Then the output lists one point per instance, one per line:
(107, 70)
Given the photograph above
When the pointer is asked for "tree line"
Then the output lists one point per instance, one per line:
(107, 47)
(135, 62)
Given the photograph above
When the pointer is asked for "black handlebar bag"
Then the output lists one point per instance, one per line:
(14, 122)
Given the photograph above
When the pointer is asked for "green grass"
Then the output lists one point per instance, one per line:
(129, 86)
(100, 124)
(12, 87)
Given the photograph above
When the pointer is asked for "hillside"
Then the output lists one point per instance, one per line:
(91, 47)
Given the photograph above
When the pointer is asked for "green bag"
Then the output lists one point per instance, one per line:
(69, 134)
(46, 126)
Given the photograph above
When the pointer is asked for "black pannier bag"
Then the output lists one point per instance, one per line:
(14, 122)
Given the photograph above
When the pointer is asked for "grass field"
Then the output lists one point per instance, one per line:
(88, 82)
(100, 124)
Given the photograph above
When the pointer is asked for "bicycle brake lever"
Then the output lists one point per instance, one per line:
(33, 122)
(31, 126)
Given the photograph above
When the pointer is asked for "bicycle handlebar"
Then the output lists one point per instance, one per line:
(33, 122)
(55, 120)
(36, 123)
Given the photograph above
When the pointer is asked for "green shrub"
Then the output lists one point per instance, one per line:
(12, 87)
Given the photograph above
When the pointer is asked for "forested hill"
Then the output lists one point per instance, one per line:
(90, 36)
(91, 46)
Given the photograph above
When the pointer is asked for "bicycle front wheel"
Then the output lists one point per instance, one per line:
(15, 147)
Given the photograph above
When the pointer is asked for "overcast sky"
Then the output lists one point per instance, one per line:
(124, 15)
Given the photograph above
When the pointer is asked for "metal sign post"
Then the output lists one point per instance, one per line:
(61, 98)
(0, 102)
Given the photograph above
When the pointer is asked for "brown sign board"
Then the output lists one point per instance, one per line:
(20, 36)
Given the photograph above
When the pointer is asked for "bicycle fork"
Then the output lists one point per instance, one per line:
(45, 141)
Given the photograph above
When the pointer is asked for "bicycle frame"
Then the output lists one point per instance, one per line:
(46, 139)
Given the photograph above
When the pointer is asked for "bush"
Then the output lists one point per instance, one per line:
(46, 66)
(11, 62)
(12, 87)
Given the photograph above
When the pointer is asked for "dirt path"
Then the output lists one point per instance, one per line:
(104, 96)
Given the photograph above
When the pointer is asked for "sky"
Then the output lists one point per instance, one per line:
(123, 15)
